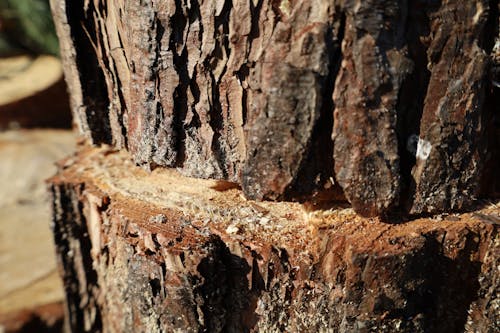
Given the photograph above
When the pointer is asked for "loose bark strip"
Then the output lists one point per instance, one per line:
(450, 152)
(375, 62)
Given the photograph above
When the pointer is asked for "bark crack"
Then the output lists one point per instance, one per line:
(180, 60)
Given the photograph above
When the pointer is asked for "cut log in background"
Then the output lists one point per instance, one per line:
(393, 103)
(33, 93)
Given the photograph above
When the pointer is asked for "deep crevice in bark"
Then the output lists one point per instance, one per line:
(242, 75)
(255, 29)
(92, 80)
(447, 281)
(217, 125)
(224, 288)
(159, 118)
(195, 91)
(317, 170)
(491, 29)
(177, 25)
(216, 118)
(122, 113)
(73, 246)
(490, 182)
(412, 95)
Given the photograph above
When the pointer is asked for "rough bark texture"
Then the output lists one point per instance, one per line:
(253, 92)
(446, 172)
(395, 101)
(222, 90)
(375, 62)
(157, 252)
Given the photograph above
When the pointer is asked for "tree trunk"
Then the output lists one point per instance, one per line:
(390, 105)
(248, 92)
(158, 252)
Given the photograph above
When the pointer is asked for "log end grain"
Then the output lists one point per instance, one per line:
(34, 94)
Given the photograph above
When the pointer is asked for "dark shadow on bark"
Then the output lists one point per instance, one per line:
(412, 93)
(69, 225)
(94, 91)
(490, 182)
(444, 287)
(229, 300)
(316, 171)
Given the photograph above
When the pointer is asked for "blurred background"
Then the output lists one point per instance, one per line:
(35, 125)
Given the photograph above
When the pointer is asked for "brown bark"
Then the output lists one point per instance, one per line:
(160, 252)
(375, 63)
(242, 91)
(452, 123)
(392, 100)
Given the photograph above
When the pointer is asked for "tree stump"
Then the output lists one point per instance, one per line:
(159, 252)
(257, 125)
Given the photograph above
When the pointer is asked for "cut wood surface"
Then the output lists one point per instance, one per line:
(28, 270)
(253, 91)
(159, 252)
(33, 93)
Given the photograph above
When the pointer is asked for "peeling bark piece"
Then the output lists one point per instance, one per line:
(193, 258)
(366, 93)
(449, 152)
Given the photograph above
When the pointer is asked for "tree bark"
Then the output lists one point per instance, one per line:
(388, 104)
(253, 92)
(163, 253)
